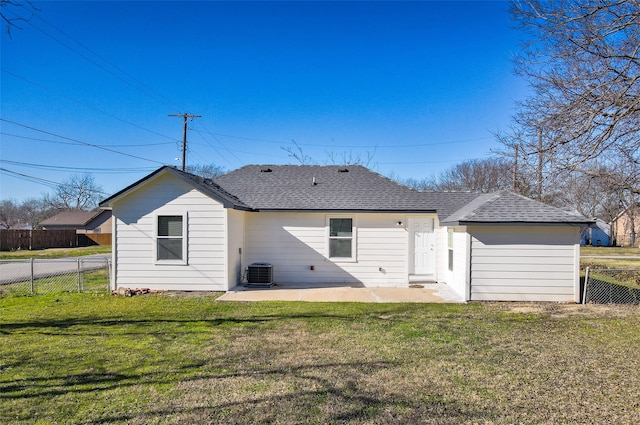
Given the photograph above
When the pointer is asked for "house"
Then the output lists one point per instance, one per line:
(94, 225)
(596, 234)
(625, 228)
(338, 224)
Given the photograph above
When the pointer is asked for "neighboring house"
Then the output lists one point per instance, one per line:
(339, 224)
(597, 234)
(625, 228)
(96, 225)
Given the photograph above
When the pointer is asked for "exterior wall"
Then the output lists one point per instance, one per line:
(235, 242)
(625, 229)
(458, 277)
(525, 263)
(294, 242)
(134, 242)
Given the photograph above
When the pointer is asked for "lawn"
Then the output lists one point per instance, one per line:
(155, 359)
(608, 250)
(55, 252)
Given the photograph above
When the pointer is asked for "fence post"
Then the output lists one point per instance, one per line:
(586, 283)
(31, 274)
(79, 276)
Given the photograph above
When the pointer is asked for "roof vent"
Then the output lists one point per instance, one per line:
(266, 170)
(343, 170)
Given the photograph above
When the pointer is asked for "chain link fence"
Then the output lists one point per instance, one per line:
(612, 286)
(41, 276)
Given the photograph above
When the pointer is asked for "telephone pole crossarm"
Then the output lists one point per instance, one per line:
(185, 116)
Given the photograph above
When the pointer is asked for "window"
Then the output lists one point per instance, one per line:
(450, 247)
(341, 238)
(170, 240)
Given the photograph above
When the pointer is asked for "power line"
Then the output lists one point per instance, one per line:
(69, 143)
(81, 142)
(49, 183)
(76, 169)
(217, 140)
(416, 145)
(155, 92)
(90, 60)
(26, 177)
(57, 93)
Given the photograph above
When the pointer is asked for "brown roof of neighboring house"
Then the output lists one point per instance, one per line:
(71, 218)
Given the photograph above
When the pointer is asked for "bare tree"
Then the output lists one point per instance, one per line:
(297, 153)
(33, 211)
(427, 184)
(79, 192)
(349, 158)
(15, 12)
(28, 213)
(476, 175)
(9, 215)
(208, 171)
(582, 60)
(333, 158)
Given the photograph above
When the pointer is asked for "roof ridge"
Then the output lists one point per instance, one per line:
(574, 213)
(206, 181)
(476, 203)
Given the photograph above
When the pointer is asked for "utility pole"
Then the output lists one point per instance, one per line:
(185, 116)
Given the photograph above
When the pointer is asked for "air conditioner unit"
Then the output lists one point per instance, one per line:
(260, 274)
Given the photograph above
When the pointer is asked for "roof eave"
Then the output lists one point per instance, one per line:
(107, 203)
(516, 223)
(346, 210)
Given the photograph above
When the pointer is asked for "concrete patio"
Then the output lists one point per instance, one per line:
(427, 293)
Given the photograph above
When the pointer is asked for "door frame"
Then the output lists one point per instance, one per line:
(411, 248)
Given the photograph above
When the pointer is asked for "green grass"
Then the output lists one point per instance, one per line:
(608, 250)
(155, 359)
(55, 252)
(611, 263)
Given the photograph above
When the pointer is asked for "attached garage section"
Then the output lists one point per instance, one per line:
(524, 263)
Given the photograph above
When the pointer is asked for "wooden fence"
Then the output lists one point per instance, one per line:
(11, 240)
(99, 238)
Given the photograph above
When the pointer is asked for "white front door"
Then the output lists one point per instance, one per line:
(422, 246)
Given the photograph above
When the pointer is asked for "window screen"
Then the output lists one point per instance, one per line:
(170, 237)
(340, 237)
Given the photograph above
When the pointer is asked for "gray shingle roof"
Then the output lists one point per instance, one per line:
(356, 188)
(319, 188)
(508, 207)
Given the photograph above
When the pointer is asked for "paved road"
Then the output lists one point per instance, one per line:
(12, 271)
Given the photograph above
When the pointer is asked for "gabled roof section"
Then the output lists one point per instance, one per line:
(506, 207)
(319, 188)
(206, 186)
(71, 218)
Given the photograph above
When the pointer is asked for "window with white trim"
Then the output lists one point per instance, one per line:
(341, 240)
(171, 244)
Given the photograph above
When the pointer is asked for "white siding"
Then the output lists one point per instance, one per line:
(458, 278)
(134, 246)
(522, 263)
(293, 242)
(235, 220)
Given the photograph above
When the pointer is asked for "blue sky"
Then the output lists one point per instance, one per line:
(420, 86)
